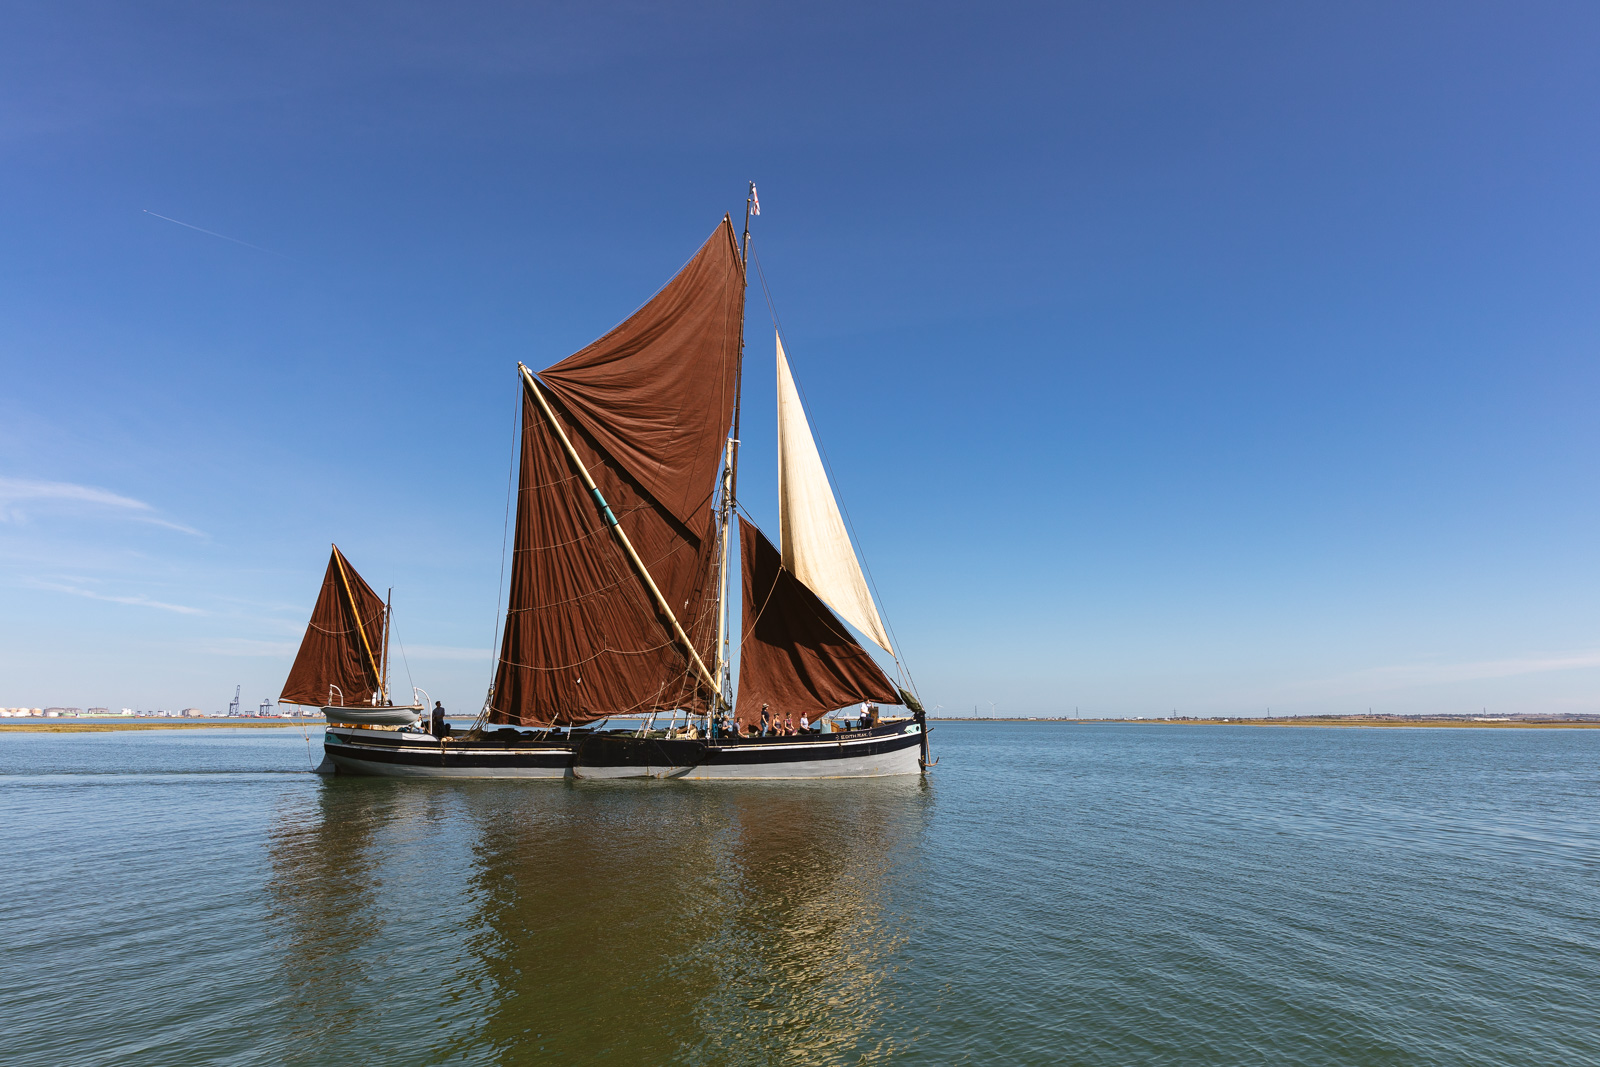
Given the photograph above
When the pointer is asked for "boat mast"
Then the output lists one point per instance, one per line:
(388, 612)
(730, 476)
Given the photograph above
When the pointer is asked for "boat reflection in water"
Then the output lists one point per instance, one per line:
(626, 922)
(355, 902)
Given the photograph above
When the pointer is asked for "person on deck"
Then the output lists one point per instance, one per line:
(805, 724)
(436, 723)
(766, 721)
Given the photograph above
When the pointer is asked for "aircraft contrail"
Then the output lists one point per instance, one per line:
(214, 233)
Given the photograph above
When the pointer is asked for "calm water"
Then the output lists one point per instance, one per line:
(1054, 894)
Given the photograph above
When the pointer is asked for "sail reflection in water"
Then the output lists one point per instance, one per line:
(815, 915)
(747, 923)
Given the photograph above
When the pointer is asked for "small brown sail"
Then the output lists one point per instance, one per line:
(343, 646)
(796, 656)
(647, 408)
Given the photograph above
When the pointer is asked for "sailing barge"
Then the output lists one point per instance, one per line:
(619, 591)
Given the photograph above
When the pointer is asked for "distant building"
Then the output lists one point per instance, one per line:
(193, 713)
(99, 711)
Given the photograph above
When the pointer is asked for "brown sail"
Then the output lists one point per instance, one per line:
(338, 659)
(647, 409)
(796, 656)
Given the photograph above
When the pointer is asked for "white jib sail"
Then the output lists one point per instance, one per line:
(816, 548)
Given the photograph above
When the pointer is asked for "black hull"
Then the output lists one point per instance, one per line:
(403, 754)
(890, 749)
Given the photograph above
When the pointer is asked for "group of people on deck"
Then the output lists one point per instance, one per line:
(774, 725)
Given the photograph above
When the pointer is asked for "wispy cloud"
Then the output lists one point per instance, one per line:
(137, 600)
(19, 497)
(214, 233)
(1406, 675)
(242, 646)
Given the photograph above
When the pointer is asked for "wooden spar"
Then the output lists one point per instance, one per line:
(616, 528)
(350, 598)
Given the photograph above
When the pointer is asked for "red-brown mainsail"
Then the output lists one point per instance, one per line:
(656, 393)
(796, 656)
(339, 658)
(647, 409)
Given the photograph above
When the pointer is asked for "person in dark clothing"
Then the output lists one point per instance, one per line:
(439, 727)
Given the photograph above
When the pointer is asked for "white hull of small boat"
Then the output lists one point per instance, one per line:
(380, 715)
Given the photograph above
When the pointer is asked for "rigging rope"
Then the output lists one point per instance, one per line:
(500, 584)
(403, 661)
(505, 530)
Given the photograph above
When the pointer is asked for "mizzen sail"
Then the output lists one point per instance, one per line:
(816, 548)
(795, 656)
(339, 658)
(646, 410)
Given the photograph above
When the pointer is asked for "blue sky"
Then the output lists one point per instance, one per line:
(1168, 356)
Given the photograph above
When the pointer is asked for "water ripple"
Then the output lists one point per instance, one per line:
(1055, 894)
